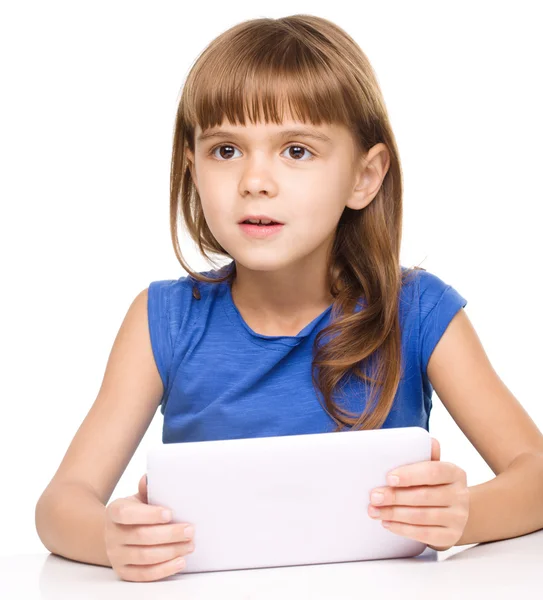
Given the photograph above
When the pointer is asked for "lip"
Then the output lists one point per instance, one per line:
(261, 217)
(260, 231)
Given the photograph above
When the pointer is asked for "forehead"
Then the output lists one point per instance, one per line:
(323, 132)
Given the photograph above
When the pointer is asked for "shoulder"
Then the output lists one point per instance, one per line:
(439, 302)
(174, 296)
(173, 307)
(437, 293)
(432, 300)
(428, 287)
(165, 290)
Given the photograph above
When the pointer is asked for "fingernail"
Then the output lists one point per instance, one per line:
(377, 497)
(166, 515)
(189, 531)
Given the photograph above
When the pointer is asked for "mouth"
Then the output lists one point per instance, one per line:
(260, 230)
(270, 224)
(260, 220)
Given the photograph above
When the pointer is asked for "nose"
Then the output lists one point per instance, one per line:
(258, 178)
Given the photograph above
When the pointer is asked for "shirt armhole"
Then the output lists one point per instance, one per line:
(436, 321)
(158, 310)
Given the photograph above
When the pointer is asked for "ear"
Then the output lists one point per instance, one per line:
(371, 170)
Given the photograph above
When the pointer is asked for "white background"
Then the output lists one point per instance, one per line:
(88, 101)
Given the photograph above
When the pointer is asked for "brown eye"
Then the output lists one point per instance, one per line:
(228, 149)
(297, 151)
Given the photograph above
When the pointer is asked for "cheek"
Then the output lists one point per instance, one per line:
(210, 214)
(327, 193)
(320, 218)
(214, 207)
(320, 207)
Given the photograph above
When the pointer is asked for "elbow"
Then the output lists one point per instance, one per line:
(38, 521)
(42, 522)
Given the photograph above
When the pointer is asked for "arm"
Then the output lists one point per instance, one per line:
(507, 506)
(500, 429)
(70, 523)
(70, 512)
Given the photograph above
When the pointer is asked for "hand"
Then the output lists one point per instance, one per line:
(140, 545)
(439, 486)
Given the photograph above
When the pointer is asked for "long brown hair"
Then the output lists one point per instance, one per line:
(315, 70)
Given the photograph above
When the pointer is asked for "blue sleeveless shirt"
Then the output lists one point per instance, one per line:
(222, 380)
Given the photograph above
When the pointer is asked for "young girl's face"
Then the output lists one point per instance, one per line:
(262, 169)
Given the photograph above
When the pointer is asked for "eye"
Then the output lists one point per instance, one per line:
(298, 147)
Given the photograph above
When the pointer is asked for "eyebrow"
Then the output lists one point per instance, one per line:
(306, 133)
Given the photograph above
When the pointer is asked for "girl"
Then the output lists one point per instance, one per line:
(312, 326)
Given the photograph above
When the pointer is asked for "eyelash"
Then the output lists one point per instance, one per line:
(210, 153)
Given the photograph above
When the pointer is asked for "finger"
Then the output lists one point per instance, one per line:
(133, 512)
(152, 555)
(142, 490)
(436, 450)
(425, 473)
(153, 572)
(438, 536)
(423, 495)
(153, 535)
(436, 516)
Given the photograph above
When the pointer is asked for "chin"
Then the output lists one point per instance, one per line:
(255, 265)
(265, 261)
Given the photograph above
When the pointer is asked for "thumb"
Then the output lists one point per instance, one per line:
(436, 450)
(142, 490)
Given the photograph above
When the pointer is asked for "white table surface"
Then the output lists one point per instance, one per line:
(493, 570)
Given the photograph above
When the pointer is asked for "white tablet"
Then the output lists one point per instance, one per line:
(285, 500)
